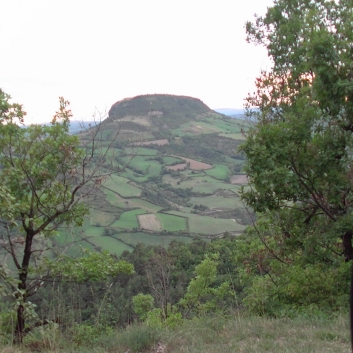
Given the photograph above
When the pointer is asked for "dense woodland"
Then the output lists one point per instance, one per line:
(291, 262)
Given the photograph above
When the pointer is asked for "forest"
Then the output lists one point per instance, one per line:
(279, 280)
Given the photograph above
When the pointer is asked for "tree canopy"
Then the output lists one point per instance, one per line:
(299, 151)
(45, 176)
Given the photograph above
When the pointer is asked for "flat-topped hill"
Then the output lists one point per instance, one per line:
(180, 178)
(158, 105)
(162, 116)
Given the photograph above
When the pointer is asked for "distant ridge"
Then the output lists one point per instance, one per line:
(232, 112)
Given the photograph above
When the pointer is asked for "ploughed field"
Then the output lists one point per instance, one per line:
(180, 176)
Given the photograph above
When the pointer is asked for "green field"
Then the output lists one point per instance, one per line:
(205, 187)
(225, 125)
(143, 165)
(205, 179)
(76, 249)
(172, 223)
(219, 171)
(101, 218)
(172, 160)
(115, 179)
(134, 176)
(124, 189)
(217, 202)
(128, 220)
(114, 199)
(150, 239)
(234, 136)
(140, 151)
(209, 225)
(199, 183)
(144, 205)
(92, 231)
(110, 244)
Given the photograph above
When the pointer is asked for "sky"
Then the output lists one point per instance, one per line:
(95, 53)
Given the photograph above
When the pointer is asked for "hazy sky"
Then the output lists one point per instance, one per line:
(95, 53)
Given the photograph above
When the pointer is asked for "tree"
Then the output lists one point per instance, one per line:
(201, 296)
(299, 153)
(45, 177)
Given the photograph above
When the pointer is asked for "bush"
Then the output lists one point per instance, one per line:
(87, 335)
(139, 338)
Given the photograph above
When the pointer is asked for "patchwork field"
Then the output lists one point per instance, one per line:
(153, 142)
(176, 167)
(218, 202)
(123, 189)
(128, 220)
(141, 151)
(110, 244)
(133, 239)
(209, 225)
(196, 165)
(180, 177)
(172, 223)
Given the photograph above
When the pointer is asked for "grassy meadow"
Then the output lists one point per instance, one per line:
(233, 334)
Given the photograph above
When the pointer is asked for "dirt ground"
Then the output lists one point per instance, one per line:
(239, 179)
(196, 165)
(149, 222)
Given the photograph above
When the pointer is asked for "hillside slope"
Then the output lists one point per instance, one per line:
(181, 174)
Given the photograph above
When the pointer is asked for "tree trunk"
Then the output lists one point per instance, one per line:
(351, 306)
(347, 246)
(19, 331)
(348, 254)
(20, 326)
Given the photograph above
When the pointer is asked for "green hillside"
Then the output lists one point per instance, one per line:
(180, 178)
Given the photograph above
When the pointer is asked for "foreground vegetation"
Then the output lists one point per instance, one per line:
(236, 333)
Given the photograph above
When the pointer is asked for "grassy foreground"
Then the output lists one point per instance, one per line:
(206, 335)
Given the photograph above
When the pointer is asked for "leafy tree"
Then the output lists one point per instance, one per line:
(45, 175)
(143, 303)
(299, 154)
(201, 297)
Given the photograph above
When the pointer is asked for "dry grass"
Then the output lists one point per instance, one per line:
(235, 334)
(260, 335)
(149, 222)
(196, 165)
(239, 179)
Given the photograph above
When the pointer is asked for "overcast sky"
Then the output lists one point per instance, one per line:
(95, 53)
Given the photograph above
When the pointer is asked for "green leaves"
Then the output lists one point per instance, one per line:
(201, 296)
(10, 112)
(45, 175)
(92, 266)
(299, 156)
(300, 150)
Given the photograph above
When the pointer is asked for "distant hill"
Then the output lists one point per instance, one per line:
(233, 113)
(181, 176)
(77, 126)
(179, 107)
